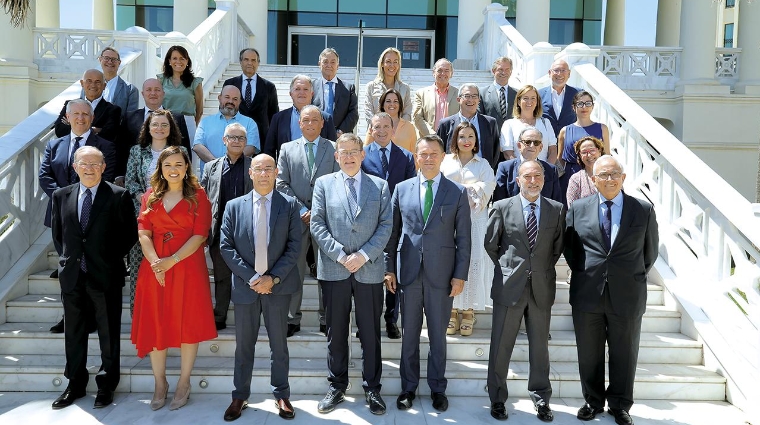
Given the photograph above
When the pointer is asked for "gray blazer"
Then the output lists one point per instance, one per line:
(211, 182)
(441, 246)
(237, 245)
(336, 230)
(294, 178)
(506, 242)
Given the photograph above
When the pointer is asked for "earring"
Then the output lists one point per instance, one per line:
(185, 176)
(161, 176)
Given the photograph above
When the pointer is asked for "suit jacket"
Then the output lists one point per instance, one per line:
(106, 117)
(346, 109)
(54, 168)
(336, 230)
(623, 269)
(294, 178)
(506, 181)
(440, 246)
(567, 116)
(125, 97)
(507, 244)
(212, 181)
(130, 133)
(488, 140)
(280, 131)
(263, 106)
(400, 167)
(237, 245)
(112, 225)
(490, 103)
(423, 114)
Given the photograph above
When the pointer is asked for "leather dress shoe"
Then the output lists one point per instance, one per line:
(292, 329)
(220, 325)
(103, 398)
(588, 412)
(323, 329)
(57, 328)
(404, 400)
(440, 402)
(333, 398)
(393, 332)
(67, 398)
(285, 409)
(499, 411)
(544, 412)
(54, 275)
(235, 409)
(376, 403)
(621, 417)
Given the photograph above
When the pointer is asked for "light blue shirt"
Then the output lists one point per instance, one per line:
(295, 126)
(211, 131)
(526, 211)
(617, 211)
(375, 147)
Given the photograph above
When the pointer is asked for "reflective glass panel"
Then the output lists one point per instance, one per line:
(415, 7)
(362, 6)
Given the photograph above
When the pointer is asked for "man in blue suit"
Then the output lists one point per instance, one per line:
(530, 144)
(259, 241)
(335, 96)
(557, 100)
(394, 164)
(351, 223)
(431, 239)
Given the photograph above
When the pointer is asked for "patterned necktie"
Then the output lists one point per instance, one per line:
(330, 98)
(248, 97)
(428, 200)
(310, 156)
(353, 200)
(502, 103)
(73, 177)
(83, 219)
(532, 226)
(384, 161)
(607, 224)
(260, 244)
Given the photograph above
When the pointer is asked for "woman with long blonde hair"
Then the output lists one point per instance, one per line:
(388, 77)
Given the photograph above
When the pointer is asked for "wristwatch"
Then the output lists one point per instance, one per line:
(275, 279)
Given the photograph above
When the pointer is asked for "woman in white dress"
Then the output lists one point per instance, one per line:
(465, 167)
(528, 112)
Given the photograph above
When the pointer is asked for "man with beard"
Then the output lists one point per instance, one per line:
(208, 142)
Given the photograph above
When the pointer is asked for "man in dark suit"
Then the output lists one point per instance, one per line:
(224, 179)
(351, 224)
(529, 144)
(488, 131)
(557, 99)
(260, 238)
(259, 95)
(117, 91)
(335, 96)
(153, 95)
(285, 124)
(394, 164)
(524, 240)
(431, 237)
(611, 243)
(87, 217)
(498, 99)
(106, 117)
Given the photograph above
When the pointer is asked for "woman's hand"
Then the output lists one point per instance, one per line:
(163, 264)
(161, 278)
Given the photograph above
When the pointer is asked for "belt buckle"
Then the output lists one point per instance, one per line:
(168, 236)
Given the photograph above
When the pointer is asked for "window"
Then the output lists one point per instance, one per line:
(730, 3)
(728, 35)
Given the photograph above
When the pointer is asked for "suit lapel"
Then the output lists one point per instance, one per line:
(248, 216)
(395, 161)
(543, 221)
(318, 158)
(366, 188)
(340, 189)
(414, 190)
(592, 211)
(626, 217)
(101, 198)
(274, 213)
(443, 187)
(516, 211)
(70, 205)
(62, 154)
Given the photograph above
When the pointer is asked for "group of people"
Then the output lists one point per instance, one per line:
(447, 200)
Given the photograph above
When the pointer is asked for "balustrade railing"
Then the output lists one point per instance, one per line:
(727, 65)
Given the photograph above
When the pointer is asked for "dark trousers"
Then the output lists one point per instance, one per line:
(222, 282)
(85, 299)
(368, 300)
(506, 325)
(592, 329)
(391, 307)
(294, 315)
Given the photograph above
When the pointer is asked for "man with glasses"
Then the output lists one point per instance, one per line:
(208, 142)
(557, 99)
(529, 144)
(351, 224)
(611, 243)
(497, 99)
(106, 117)
(436, 102)
(224, 179)
(301, 163)
(335, 96)
(117, 91)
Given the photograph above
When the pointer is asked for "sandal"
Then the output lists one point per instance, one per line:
(468, 322)
(453, 323)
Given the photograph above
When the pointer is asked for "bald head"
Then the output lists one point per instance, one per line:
(263, 173)
(229, 101)
(153, 93)
(93, 84)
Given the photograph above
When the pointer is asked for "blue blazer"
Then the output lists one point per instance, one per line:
(567, 116)
(506, 181)
(279, 131)
(236, 245)
(346, 108)
(400, 167)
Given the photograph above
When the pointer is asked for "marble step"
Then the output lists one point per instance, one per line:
(48, 309)
(665, 348)
(308, 377)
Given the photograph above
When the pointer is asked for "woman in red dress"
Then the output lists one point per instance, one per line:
(173, 298)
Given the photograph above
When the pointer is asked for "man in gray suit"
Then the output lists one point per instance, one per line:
(300, 163)
(225, 179)
(117, 91)
(260, 238)
(351, 222)
(497, 99)
(431, 237)
(524, 240)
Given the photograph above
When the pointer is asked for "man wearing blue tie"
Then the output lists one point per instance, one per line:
(333, 95)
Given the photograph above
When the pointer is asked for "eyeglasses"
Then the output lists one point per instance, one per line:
(265, 170)
(89, 165)
(109, 59)
(530, 142)
(587, 152)
(351, 153)
(586, 104)
(236, 138)
(469, 96)
(163, 125)
(609, 176)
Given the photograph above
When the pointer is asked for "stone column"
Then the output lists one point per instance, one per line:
(614, 23)
(16, 69)
(102, 15)
(254, 14)
(188, 14)
(697, 37)
(533, 20)
(749, 40)
(668, 23)
(231, 6)
(48, 14)
(469, 22)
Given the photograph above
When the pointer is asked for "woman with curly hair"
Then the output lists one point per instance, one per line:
(183, 91)
(588, 149)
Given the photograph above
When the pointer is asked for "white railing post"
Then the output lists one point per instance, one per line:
(492, 36)
(538, 61)
(230, 6)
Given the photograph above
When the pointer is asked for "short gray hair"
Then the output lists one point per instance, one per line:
(531, 128)
(235, 126)
(349, 138)
(609, 158)
(308, 108)
(530, 161)
(84, 150)
(327, 51)
(300, 77)
(465, 86)
(78, 102)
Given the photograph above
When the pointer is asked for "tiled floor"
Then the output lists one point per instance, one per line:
(132, 408)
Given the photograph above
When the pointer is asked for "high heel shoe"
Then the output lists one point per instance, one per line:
(453, 326)
(181, 401)
(468, 323)
(158, 401)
